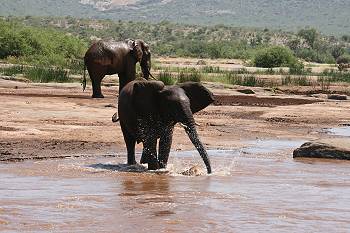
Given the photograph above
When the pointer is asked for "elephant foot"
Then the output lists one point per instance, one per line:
(98, 96)
(132, 163)
(144, 158)
(153, 164)
(162, 165)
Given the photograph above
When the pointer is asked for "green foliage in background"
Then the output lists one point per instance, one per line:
(40, 46)
(61, 42)
(276, 56)
(344, 59)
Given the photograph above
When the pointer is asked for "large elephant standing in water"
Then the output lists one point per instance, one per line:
(110, 57)
(149, 110)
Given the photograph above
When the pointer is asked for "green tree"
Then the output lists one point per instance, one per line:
(275, 56)
(309, 35)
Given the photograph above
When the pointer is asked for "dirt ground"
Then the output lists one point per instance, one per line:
(59, 120)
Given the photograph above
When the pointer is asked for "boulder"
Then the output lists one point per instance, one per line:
(337, 97)
(326, 149)
(193, 171)
(246, 91)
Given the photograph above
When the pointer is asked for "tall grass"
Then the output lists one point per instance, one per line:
(45, 75)
(194, 76)
(336, 76)
(296, 81)
(167, 78)
(211, 69)
(38, 73)
(12, 70)
(325, 83)
(245, 80)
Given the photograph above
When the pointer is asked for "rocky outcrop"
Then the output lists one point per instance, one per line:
(327, 149)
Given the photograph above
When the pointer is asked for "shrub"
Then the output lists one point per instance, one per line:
(310, 35)
(320, 56)
(344, 59)
(38, 46)
(296, 68)
(276, 56)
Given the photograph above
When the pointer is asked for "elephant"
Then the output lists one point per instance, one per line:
(149, 110)
(111, 57)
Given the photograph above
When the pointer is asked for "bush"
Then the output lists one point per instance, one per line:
(316, 56)
(310, 35)
(296, 68)
(38, 46)
(276, 56)
(344, 59)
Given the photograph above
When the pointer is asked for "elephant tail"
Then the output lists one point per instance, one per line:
(115, 117)
(83, 83)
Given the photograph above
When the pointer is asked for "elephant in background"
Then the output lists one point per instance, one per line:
(149, 110)
(111, 57)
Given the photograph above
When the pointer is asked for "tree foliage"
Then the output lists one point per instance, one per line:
(276, 56)
(38, 46)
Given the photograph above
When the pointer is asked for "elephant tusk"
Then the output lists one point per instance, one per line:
(151, 75)
(149, 72)
(185, 126)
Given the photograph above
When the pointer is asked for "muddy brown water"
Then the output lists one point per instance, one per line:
(251, 190)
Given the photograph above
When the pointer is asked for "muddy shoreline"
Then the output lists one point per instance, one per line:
(41, 121)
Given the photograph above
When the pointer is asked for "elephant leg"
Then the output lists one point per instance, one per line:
(149, 153)
(96, 73)
(96, 87)
(165, 145)
(130, 146)
(144, 156)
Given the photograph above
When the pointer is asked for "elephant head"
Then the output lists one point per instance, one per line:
(142, 53)
(174, 104)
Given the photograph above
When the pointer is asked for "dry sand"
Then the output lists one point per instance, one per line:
(57, 120)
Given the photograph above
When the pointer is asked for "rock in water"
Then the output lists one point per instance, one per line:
(193, 171)
(326, 149)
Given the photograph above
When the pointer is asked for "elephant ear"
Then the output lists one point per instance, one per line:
(200, 97)
(144, 46)
(135, 48)
(145, 96)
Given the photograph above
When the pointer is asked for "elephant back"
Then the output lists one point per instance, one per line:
(145, 94)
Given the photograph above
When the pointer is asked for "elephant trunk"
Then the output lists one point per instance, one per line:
(193, 135)
(146, 69)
